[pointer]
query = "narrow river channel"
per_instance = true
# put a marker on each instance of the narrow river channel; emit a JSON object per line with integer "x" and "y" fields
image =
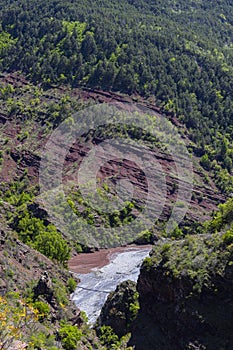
{"x": 92, "y": 291}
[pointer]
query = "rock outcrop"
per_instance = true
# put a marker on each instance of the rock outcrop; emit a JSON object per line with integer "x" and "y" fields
{"x": 191, "y": 308}
{"x": 44, "y": 288}
{"x": 120, "y": 308}
{"x": 185, "y": 291}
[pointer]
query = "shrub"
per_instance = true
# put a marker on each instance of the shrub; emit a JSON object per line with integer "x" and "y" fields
{"x": 145, "y": 237}
{"x": 228, "y": 237}
{"x": 147, "y": 263}
{"x": 133, "y": 308}
{"x": 78, "y": 248}
{"x": 205, "y": 162}
{"x": 70, "y": 335}
{"x": 42, "y": 341}
{"x": 60, "y": 293}
{"x": 43, "y": 309}
{"x": 17, "y": 318}
{"x": 108, "y": 337}
{"x": 71, "y": 284}
{"x": 177, "y": 233}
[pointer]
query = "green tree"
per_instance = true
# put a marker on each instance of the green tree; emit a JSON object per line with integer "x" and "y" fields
{"x": 205, "y": 162}
{"x": 51, "y": 244}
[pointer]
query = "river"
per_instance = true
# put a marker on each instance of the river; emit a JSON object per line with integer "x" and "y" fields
{"x": 94, "y": 286}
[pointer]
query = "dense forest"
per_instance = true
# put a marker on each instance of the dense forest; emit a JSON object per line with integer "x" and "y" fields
{"x": 178, "y": 52}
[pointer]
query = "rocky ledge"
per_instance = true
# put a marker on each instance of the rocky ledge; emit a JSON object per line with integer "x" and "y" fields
{"x": 185, "y": 291}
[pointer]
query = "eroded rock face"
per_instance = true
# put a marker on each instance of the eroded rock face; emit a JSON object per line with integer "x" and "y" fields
{"x": 172, "y": 316}
{"x": 183, "y": 306}
{"x": 26, "y": 154}
{"x": 119, "y": 310}
{"x": 205, "y": 196}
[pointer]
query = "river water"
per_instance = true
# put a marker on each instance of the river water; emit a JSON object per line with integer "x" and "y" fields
{"x": 92, "y": 291}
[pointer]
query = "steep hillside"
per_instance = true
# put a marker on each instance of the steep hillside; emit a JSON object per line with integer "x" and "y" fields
{"x": 35, "y": 307}
{"x": 29, "y": 115}
{"x": 179, "y": 52}
{"x": 185, "y": 293}
{"x": 186, "y": 296}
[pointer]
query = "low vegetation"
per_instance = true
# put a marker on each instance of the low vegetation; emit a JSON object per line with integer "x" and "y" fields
{"x": 198, "y": 257}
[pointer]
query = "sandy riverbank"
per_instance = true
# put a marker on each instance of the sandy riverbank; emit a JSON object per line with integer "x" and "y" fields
{"x": 84, "y": 263}
{"x": 121, "y": 264}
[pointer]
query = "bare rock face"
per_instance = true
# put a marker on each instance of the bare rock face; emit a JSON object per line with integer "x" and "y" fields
{"x": 119, "y": 310}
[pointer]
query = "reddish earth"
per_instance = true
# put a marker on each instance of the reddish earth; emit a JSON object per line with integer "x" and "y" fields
{"x": 26, "y": 155}
{"x": 84, "y": 263}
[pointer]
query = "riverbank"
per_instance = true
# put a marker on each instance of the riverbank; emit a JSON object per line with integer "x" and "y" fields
{"x": 86, "y": 262}
{"x": 118, "y": 265}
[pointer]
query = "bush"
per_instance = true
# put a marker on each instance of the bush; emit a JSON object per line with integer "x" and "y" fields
{"x": 78, "y": 248}
{"x": 60, "y": 293}
{"x": 145, "y": 237}
{"x": 223, "y": 217}
{"x": 166, "y": 251}
{"x": 43, "y": 309}
{"x": 177, "y": 233}
{"x": 70, "y": 335}
{"x": 42, "y": 341}
{"x": 17, "y": 319}
{"x": 133, "y": 308}
{"x": 228, "y": 237}
{"x": 108, "y": 337}
{"x": 147, "y": 263}
{"x": 205, "y": 162}
{"x": 71, "y": 284}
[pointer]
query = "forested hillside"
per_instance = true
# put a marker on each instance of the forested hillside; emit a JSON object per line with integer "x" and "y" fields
{"x": 178, "y": 52}
{"x": 172, "y": 60}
